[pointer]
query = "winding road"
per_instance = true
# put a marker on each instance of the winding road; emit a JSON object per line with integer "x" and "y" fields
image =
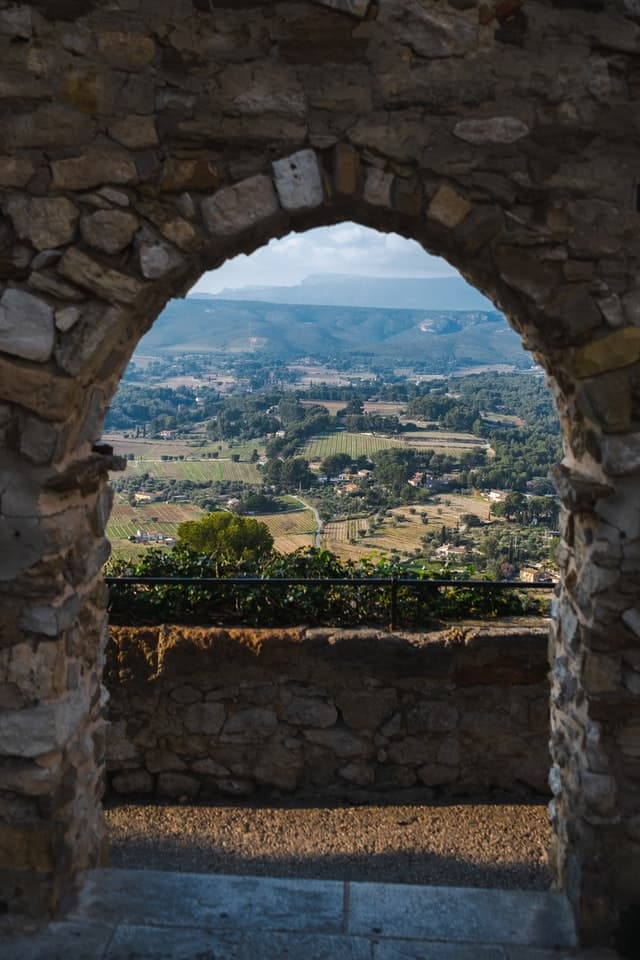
{"x": 316, "y": 516}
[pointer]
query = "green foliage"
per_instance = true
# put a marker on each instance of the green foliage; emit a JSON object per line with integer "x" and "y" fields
{"x": 227, "y": 536}
{"x": 416, "y": 605}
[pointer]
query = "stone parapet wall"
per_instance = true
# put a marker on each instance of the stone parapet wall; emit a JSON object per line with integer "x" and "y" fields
{"x": 215, "y": 712}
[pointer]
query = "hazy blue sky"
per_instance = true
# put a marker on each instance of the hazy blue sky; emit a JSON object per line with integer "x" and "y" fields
{"x": 345, "y": 248}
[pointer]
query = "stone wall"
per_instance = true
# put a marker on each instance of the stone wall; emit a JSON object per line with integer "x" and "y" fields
{"x": 212, "y": 713}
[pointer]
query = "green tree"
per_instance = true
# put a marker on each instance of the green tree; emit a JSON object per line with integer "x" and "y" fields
{"x": 228, "y": 536}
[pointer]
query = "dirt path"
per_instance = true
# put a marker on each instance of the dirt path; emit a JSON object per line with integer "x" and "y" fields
{"x": 481, "y": 844}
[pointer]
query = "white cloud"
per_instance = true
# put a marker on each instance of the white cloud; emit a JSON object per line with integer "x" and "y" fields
{"x": 345, "y": 248}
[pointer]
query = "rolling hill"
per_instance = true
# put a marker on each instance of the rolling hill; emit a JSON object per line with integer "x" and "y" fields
{"x": 445, "y": 337}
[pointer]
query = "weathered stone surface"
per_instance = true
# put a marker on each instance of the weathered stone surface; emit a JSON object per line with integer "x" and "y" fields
{"x": 136, "y": 781}
{"x": 53, "y": 222}
{"x": 126, "y": 50}
{"x": 136, "y": 133}
{"x": 204, "y": 718}
{"x": 109, "y": 230}
{"x": 177, "y": 785}
{"x": 342, "y": 743}
{"x": 27, "y": 326}
{"x": 357, "y": 7}
{"x": 491, "y": 130}
{"x": 98, "y": 166}
{"x": 251, "y": 725}
{"x": 629, "y": 739}
{"x": 110, "y": 284}
{"x": 361, "y": 773}
{"x": 448, "y": 207}
{"x": 298, "y": 181}
{"x": 346, "y": 169}
{"x": 377, "y": 187}
{"x": 157, "y": 258}
{"x": 234, "y": 209}
{"x": 48, "y": 125}
{"x": 15, "y": 171}
{"x": 611, "y": 352}
{"x": 310, "y": 712}
{"x": 366, "y": 710}
{"x": 36, "y": 730}
{"x": 428, "y": 31}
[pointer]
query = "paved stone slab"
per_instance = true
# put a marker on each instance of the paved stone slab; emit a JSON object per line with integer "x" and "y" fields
{"x": 156, "y": 898}
{"x": 461, "y": 915}
{"x": 420, "y": 950}
{"x": 162, "y": 943}
{"x": 60, "y": 941}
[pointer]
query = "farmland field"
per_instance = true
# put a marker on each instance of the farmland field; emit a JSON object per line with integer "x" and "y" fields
{"x": 165, "y": 517}
{"x": 364, "y": 444}
{"x": 198, "y": 470}
{"x": 290, "y": 530}
{"x": 400, "y": 531}
{"x": 144, "y": 449}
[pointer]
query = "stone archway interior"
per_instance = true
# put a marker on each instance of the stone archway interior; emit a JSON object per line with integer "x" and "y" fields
{"x": 142, "y": 146}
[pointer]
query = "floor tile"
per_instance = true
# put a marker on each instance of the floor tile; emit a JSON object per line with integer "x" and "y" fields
{"x": 460, "y": 915}
{"x": 178, "y": 943}
{"x": 223, "y": 902}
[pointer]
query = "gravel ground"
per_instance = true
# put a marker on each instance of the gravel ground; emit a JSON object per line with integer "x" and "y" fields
{"x": 473, "y": 844}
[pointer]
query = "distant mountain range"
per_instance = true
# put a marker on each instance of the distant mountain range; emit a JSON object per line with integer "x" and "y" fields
{"x": 340, "y": 290}
{"x": 437, "y": 335}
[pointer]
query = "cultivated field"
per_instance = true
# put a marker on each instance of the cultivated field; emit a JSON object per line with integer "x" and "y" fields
{"x": 165, "y": 517}
{"x": 290, "y": 530}
{"x": 364, "y": 444}
{"x": 385, "y": 408}
{"x": 201, "y": 471}
{"x": 144, "y": 449}
{"x": 401, "y": 531}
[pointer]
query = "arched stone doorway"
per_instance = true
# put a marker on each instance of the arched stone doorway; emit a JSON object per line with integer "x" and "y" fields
{"x": 142, "y": 147}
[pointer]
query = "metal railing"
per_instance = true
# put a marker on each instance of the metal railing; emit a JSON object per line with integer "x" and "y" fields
{"x": 390, "y": 584}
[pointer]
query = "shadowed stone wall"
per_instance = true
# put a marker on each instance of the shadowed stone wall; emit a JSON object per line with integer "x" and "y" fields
{"x": 312, "y": 712}
{"x": 145, "y": 142}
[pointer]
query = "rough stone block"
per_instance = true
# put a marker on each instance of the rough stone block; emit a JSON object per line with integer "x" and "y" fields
{"x": 248, "y": 726}
{"x": 27, "y": 326}
{"x": 96, "y": 167}
{"x": 177, "y": 785}
{"x": 102, "y": 281}
{"x": 27, "y": 847}
{"x": 356, "y": 7}
{"x": 204, "y": 718}
{"x": 234, "y": 209}
{"x": 134, "y": 781}
{"x": 308, "y": 712}
{"x": 612, "y": 352}
{"x": 491, "y": 130}
{"x": 126, "y": 50}
{"x": 109, "y": 230}
{"x": 346, "y": 169}
{"x": 43, "y": 728}
{"x": 340, "y": 742}
{"x": 448, "y": 207}
{"x": 377, "y": 188}
{"x": 298, "y": 181}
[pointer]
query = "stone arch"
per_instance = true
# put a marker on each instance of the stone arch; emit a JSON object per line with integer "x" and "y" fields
{"x": 143, "y": 147}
